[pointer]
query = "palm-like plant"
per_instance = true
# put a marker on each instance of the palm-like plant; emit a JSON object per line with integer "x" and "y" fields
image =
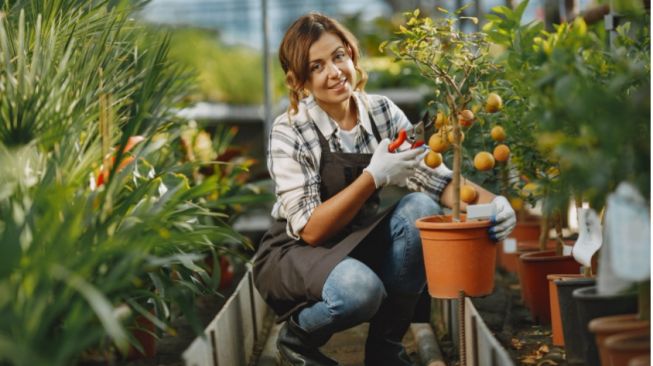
{"x": 78, "y": 259}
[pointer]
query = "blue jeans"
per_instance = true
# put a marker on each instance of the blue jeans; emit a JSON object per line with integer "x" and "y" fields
{"x": 353, "y": 292}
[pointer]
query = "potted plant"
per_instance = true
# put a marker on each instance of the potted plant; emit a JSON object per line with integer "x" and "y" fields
{"x": 80, "y": 260}
{"x": 578, "y": 90}
{"x": 459, "y": 255}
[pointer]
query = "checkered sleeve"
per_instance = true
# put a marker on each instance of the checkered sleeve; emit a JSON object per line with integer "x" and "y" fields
{"x": 295, "y": 173}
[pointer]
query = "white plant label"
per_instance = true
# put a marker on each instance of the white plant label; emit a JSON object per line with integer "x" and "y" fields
{"x": 628, "y": 234}
{"x": 510, "y": 245}
{"x": 589, "y": 237}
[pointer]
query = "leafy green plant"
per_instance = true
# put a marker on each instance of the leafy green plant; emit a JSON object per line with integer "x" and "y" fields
{"x": 568, "y": 90}
{"x": 229, "y": 74}
{"x": 460, "y": 68}
{"x": 80, "y": 257}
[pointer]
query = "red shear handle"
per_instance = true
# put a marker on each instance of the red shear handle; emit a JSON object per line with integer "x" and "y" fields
{"x": 398, "y": 141}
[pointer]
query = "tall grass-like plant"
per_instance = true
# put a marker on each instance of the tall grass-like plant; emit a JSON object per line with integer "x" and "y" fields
{"x": 80, "y": 258}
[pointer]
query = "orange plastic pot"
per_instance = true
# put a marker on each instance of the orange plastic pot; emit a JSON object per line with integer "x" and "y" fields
{"x": 606, "y": 326}
{"x": 557, "y": 334}
{"x": 458, "y": 256}
{"x": 643, "y": 360}
{"x": 524, "y": 230}
{"x": 623, "y": 347}
{"x": 528, "y": 246}
{"x": 533, "y": 269}
{"x": 510, "y": 261}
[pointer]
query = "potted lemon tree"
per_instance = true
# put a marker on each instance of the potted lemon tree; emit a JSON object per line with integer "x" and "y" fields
{"x": 460, "y": 67}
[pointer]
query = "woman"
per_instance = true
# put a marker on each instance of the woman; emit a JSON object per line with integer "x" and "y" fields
{"x": 332, "y": 259}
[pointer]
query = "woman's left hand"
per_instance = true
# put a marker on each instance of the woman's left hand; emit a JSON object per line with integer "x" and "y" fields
{"x": 503, "y": 221}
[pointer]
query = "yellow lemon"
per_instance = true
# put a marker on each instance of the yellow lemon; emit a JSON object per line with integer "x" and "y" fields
{"x": 493, "y": 103}
{"x": 433, "y": 159}
{"x": 483, "y": 161}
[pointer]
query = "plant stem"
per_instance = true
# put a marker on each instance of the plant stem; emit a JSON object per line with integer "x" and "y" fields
{"x": 457, "y": 166}
{"x": 644, "y": 300}
{"x": 544, "y": 232}
{"x": 558, "y": 227}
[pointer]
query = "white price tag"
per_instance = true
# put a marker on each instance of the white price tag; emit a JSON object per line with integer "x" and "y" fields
{"x": 510, "y": 245}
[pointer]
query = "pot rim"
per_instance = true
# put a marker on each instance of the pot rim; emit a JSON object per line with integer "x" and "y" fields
{"x": 427, "y": 223}
{"x": 623, "y": 322}
{"x": 590, "y": 292}
{"x": 631, "y": 340}
{"x": 565, "y": 276}
{"x": 533, "y": 256}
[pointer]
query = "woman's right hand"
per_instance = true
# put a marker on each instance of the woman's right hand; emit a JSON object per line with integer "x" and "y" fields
{"x": 388, "y": 168}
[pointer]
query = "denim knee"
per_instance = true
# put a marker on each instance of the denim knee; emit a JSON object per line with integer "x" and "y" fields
{"x": 416, "y": 205}
{"x": 404, "y": 266}
{"x": 353, "y": 292}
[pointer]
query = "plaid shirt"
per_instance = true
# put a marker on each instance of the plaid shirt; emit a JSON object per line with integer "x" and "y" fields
{"x": 294, "y": 155}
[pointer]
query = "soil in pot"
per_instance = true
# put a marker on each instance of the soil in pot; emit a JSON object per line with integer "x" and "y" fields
{"x": 571, "y": 329}
{"x": 607, "y": 326}
{"x": 591, "y": 305}
{"x": 534, "y": 267}
{"x": 623, "y": 347}
{"x": 458, "y": 256}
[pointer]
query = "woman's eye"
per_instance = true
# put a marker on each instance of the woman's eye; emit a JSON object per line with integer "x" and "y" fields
{"x": 340, "y": 56}
{"x": 316, "y": 67}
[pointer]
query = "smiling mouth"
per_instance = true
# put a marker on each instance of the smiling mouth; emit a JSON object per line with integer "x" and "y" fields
{"x": 339, "y": 84}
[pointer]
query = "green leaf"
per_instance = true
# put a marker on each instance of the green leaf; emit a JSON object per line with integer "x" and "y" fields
{"x": 101, "y": 306}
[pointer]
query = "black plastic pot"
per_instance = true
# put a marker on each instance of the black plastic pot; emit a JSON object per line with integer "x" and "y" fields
{"x": 574, "y": 340}
{"x": 590, "y": 305}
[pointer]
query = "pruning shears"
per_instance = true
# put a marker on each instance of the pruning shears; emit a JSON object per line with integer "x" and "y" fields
{"x": 415, "y": 135}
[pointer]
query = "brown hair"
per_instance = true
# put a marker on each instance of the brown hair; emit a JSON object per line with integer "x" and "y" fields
{"x": 293, "y": 52}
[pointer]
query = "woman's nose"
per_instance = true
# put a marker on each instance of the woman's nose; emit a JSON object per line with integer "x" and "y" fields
{"x": 334, "y": 70}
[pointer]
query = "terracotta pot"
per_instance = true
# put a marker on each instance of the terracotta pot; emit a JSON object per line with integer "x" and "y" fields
{"x": 557, "y": 334}
{"x": 523, "y": 231}
{"x": 533, "y": 269}
{"x": 511, "y": 260}
{"x": 623, "y": 347}
{"x": 643, "y": 360}
{"x": 143, "y": 331}
{"x": 606, "y": 326}
{"x": 591, "y": 305}
{"x": 573, "y": 333}
{"x": 458, "y": 256}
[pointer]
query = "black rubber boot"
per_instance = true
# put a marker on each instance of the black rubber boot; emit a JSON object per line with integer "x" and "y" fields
{"x": 299, "y": 348}
{"x": 387, "y": 329}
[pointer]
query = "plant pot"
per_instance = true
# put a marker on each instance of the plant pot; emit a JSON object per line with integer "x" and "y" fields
{"x": 557, "y": 334}
{"x": 458, "y": 256}
{"x": 643, "y": 360}
{"x": 571, "y": 330}
{"x": 528, "y": 246}
{"x": 607, "y": 326}
{"x": 523, "y": 231}
{"x": 591, "y": 305}
{"x": 143, "y": 331}
{"x": 534, "y": 267}
{"x": 511, "y": 260}
{"x": 623, "y": 347}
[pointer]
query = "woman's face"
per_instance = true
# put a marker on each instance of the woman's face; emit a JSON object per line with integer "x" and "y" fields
{"x": 331, "y": 70}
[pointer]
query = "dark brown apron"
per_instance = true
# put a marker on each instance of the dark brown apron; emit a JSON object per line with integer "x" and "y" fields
{"x": 290, "y": 273}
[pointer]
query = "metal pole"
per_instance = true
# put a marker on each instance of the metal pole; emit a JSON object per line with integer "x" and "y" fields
{"x": 267, "y": 84}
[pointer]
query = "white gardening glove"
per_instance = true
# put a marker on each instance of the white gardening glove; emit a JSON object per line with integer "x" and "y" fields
{"x": 388, "y": 168}
{"x": 504, "y": 220}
